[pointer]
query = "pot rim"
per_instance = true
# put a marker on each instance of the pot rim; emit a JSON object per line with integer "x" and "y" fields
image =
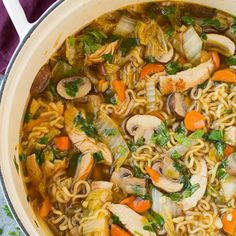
{"x": 8, "y": 69}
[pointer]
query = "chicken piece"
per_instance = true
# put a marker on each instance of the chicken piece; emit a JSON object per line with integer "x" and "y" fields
{"x": 187, "y": 79}
{"x": 81, "y": 140}
{"x": 132, "y": 221}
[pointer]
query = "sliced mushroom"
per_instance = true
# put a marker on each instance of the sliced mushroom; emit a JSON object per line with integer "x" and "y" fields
{"x": 165, "y": 183}
{"x": 74, "y": 87}
{"x": 167, "y": 56}
{"x": 200, "y": 179}
{"x": 102, "y": 185}
{"x": 177, "y": 106}
{"x": 220, "y": 43}
{"x": 230, "y": 135}
{"x": 41, "y": 80}
{"x": 130, "y": 219}
{"x": 84, "y": 167}
{"x": 142, "y": 126}
{"x": 129, "y": 184}
{"x": 231, "y": 164}
{"x": 181, "y": 81}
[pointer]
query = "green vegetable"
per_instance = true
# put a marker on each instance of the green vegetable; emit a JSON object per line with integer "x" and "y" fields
{"x": 182, "y": 139}
{"x": 221, "y": 171}
{"x": 128, "y": 44}
{"x": 137, "y": 172}
{"x": 110, "y": 132}
{"x": 169, "y": 10}
{"x": 16, "y": 233}
{"x": 22, "y": 157}
{"x": 27, "y": 117}
{"x": 231, "y": 61}
{"x": 203, "y": 85}
{"x": 115, "y": 220}
{"x": 150, "y": 59}
{"x": 72, "y": 41}
{"x": 188, "y": 20}
{"x": 175, "y": 196}
{"x": 169, "y": 32}
{"x": 43, "y": 140}
{"x": 203, "y": 36}
{"x": 181, "y": 129}
{"x": 156, "y": 221}
{"x": 7, "y": 211}
{"x": 197, "y": 134}
{"x": 217, "y": 137}
{"x": 161, "y": 135}
{"x": 73, "y": 161}
{"x": 134, "y": 146}
{"x": 173, "y": 67}
{"x": 109, "y": 97}
{"x": 121, "y": 150}
{"x": 152, "y": 11}
{"x": 71, "y": 87}
{"x": 233, "y": 26}
{"x": 108, "y": 57}
{"x": 39, "y": 157}
{"x": 211, "y": 22}
{"x": 175, "y": 155}
{"x": 91, "y": 41}
{"x": 98, "y": 156}
{"x": 87, "y": 125}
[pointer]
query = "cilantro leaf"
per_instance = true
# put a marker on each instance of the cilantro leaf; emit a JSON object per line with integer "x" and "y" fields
{"x": 175, "y": 155}
{"x": 161, "y": 135}
{"x": 188, "y": 20}
{"x": 98, "y": 156}
{"x": 173, "y": 67}
{"x": 133, "y": 146}
{"x": 110, "y": 132}
{"x": 211, "y": 22}
{"x": 128, "y": 44}
{"x": 43, "y": 140}
{"x": 231, "y": 61}
{"x": 108, "y": 57}
{"x": 71, "y": 87}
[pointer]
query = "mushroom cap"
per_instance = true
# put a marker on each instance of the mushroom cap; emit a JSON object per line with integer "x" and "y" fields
{"x": 221, "y": 44}
{"x": 83, "y": 87}
{"x": 166, "y": 184}
{"x": 142, "y": 126}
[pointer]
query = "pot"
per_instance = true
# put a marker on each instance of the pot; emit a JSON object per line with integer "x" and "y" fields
{"x": 38, "y": 41}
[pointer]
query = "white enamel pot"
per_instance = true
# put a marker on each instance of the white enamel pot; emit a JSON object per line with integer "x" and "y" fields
{"x": 37, "y": 42}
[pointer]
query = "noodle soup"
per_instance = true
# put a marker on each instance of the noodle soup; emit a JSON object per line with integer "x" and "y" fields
{"x": 131, "y": 126}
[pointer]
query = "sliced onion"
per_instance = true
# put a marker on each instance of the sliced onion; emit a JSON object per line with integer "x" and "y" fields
{"x": 192, "y": 45}
{"x": 124, "y": 26}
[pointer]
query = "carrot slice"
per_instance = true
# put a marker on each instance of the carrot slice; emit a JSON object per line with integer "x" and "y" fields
{"x": 229, "y": 222}
{"x": 45, "y": 208}
{"x": 228, "y": 150}
{"x": 118, "y": 231}
{"x": 140, "y": 205}
{"x": 128, "y": 200}
{"x": 62, "y": 143}
{"x": 151, "y": 69}
{"x": 153, "y": 174}
{"x": 194, "y": 121}
{"x": 225, "y": 75}
{"x": 216, "y": 60}
{"x": 120, "y": 89}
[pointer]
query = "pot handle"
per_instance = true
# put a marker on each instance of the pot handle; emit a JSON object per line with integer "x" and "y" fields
{"x": 18, "y": 17}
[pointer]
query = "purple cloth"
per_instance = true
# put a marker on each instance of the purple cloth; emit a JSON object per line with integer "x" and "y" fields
{"x": 8, "y": 36}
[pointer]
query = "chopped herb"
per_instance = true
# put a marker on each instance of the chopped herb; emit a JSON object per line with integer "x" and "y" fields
{"x": 110, "y": 132}
{"x": 87, "y": 125}
{"x": 16, "y": 233}
{"x": 169, "y": 32}
{"x": 109, "y": 97}
{"x": 190, "y": 190}
{"x": 72, "y": 41}
{"x": 175, "y": 196}
{"x": 169, "y": 10}
{"x": 233, "y": 26}
{"x": 203, "y": 36}
{"x": 39, "y": 157}
{"x": 197, "y": 134}
{"x": 16, "y": 164}
{"x": 152, "y": 11}
{"x": 134, "y": 146}
{"x": 128, "y": 44}
{"x": 27, "y": 116}
{"x": 71, "y": 87}
{"x": 181, "y": 129}
{"x": 137, "y": 172}
{"x": 43, "y": 140}
{"x": 92, "y": 41}
{"x": 8, "y": 211}
{"x": 156, "y": 221}
{"x": 182, "y": 139}
{"x": 161, "y": 135}
{"x": 203, "y": 85}
{"x": 98, "y": 156}
{"x": 150, "y": 59}
{"x": 173, "y": 67}
{"x": 121, "y": 150}
{"x": 211, "y": 22}
{"x": 221, "y": 172}
{"x": 175, "y": 155}
{"x": 22, "y": 158}
{"x": 115, "y": 220}
{"x": 73, "y": 161}
{"x": 231, "y": 61}
{"x": 188, "y": 20}
{"x": 108, "y": 57}
{"x": 217, "y": 137}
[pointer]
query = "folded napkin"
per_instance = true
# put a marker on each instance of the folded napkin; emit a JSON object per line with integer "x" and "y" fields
{"x": 8, "y": 36}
